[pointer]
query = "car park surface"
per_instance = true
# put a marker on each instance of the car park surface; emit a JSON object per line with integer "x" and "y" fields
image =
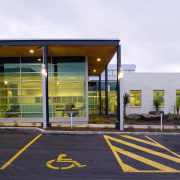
{"x": 32, "y": 155}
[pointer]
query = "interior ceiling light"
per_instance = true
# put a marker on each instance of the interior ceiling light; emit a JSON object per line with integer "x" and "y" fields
{"x": 31, "y": 51}
{"x": 98, "y": 59}
{"x": 94, "y": 70}
{"x": 39, "y": 59}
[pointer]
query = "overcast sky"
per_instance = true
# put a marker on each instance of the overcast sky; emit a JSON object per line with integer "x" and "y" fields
{"x": 149, "y": 30}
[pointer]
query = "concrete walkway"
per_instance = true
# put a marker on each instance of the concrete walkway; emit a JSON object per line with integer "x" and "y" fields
{"x": 125, "y": 126}
{"x": 91, "y": 125}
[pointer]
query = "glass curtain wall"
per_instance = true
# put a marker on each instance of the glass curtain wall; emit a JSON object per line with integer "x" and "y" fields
{"x": 67, "y": 87}
{"x": 93, "y": 97}
{"x": 21, "y": 87}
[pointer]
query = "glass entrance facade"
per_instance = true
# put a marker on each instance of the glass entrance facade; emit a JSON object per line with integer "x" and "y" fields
{"x": 21, "y": 87}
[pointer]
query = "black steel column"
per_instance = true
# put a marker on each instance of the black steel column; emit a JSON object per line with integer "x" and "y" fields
{"x": 118, "y": 85}
{"x": 45, "y": 89}
{"x": 100, "y": 103}
{"x": 106, "y": 91}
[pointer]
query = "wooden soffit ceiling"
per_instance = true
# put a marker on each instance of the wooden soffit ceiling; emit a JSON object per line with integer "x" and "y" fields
{"x": 95, "y": 68}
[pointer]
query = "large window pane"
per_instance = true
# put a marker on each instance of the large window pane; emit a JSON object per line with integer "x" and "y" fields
{"x": 31, "y": 115}
{"x": 69, "y": 76}
{"x": 68, "y": 84}
{"x": 31, "y": 92}
{"x": 32, "y": 100}
{"x": 30, "y": 108}
{"x": 31, "y": 84}
{"x": 31, "y": 76}
{"x": 31, "y": 68}
{"x": 68, "y": 92}
{"x": 9, "y": 77}
{"x": 178, "y": 97}
{"x": 135, "y": 98}
{"x": 71, "y": 67}
{"x": 11, "y": 68}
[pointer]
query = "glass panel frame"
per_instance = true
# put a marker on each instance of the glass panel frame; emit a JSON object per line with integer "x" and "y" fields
{"x": 135, "y": 98}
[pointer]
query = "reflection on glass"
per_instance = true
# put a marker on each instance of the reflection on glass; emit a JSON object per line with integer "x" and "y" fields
{"x": 135, "y": 98}
{"x": 21, "y": 87}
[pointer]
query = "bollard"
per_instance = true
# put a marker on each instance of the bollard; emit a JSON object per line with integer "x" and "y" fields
{"x": 161, "y": 115}
{"x": 71, "y": 113}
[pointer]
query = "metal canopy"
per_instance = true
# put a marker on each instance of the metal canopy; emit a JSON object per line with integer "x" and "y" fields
{"x": 94, "y": 49}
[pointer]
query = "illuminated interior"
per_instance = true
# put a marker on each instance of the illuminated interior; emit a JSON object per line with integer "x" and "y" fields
{"x": 135, "y": 98}
{"x": 21, "y": 87}
{"x": 158, "y": 95}
{"x": 23, "y": 80}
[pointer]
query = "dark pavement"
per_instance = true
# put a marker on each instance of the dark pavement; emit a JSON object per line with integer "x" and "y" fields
{"x": 88, "y": 156}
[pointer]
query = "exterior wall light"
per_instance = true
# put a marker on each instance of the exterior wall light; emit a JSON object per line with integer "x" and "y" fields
{"x": 120, "y": 74}
{"x": 43, "y": 71}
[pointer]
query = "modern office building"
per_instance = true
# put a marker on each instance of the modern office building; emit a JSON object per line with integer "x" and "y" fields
{"x": 48, "y": 79}
{"x": 143, "y": 89}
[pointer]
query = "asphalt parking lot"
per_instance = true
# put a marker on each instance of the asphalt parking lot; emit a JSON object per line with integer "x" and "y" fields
{"x": 31, "y": 155}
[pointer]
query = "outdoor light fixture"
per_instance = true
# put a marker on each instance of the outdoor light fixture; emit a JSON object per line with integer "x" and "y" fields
{"x": 31, "y": 51}
{"x": 39, "y": 59}
{"x": 98, "y": 59}
{"x": 94, "y": 70}
{"x": 120, "y": 73}
{"x": 43, "y": 71}
{"x": 5, "y": 82}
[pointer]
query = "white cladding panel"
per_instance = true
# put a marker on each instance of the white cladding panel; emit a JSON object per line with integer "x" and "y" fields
{"x": 146, "y": 83}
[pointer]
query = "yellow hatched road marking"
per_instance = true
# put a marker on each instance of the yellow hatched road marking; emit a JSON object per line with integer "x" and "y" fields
{"x": 20, "y": 152}
{"x": 127, "y": 168}
{"x": 143, "y": 141}
{"x": 164, "y": 147}
{"x": 146, "y": 150}
{"x": 155, "y": 143}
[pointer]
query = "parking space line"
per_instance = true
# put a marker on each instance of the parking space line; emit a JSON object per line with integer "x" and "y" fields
{"x": 20, "y": 152}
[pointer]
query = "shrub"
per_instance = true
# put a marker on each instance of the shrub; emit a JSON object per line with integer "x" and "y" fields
{"x": 96, "y": 120}
{"x": 126, "y": 101}
{"x": 157, "y": 104}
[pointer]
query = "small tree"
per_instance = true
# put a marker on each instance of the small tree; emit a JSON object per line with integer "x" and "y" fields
{"x": 157, "y": 104}
{"x": 126, "y": 101}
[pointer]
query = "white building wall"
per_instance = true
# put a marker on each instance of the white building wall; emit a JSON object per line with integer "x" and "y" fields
{"x": 147, "y": 82}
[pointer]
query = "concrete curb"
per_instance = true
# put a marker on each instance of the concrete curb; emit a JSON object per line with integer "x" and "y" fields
{"x": 86, "y": 132}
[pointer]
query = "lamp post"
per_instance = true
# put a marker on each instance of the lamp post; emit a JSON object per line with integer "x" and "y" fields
{"x": 120, "y": 79}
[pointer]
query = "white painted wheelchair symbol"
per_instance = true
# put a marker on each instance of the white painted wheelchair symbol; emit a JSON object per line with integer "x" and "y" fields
{"x": 60, "y": 161}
